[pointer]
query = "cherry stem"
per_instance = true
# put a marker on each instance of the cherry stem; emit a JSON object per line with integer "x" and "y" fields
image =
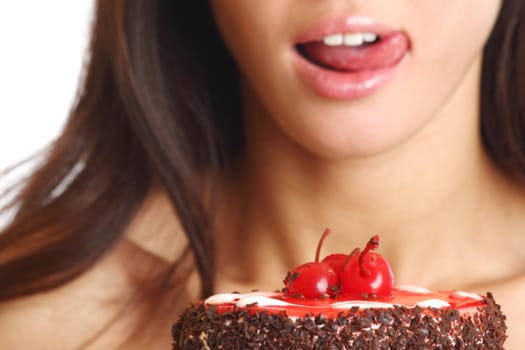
{"x": 320, "y": 244}
{"x": 350, "y": 256}
{"x": 372, "y": 244}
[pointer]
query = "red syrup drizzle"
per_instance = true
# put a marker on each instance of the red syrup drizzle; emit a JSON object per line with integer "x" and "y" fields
{"x": 300, "y": 306}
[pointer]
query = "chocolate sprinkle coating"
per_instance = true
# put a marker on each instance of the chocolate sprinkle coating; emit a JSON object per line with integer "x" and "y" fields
{"x": 202, "y": 327}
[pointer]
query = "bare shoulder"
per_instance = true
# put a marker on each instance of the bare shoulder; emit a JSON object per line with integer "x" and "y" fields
{"x": 88, "y": 309}
{"x": 67, "y": 317}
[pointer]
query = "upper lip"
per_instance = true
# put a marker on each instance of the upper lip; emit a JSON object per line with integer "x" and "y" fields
{"x": 340, "y": 25}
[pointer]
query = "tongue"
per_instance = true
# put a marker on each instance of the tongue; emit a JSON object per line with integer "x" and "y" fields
{"x": 384, "y": 53}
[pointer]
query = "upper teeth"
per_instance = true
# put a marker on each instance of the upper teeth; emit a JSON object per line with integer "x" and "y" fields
{"x": 350, "y": 39}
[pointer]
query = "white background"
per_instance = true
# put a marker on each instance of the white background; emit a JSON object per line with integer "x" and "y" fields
{"x": 42, "y": 46}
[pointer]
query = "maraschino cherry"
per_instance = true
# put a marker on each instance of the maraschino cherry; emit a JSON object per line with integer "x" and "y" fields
{"x": 367, "y": 274}
{"x": 313, "y": 279}
{"x": 336, "y": 262}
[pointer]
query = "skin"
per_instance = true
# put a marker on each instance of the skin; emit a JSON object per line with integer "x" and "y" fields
{"x": 405, "y": 162}
{"x": 95, "y": 310}
{"x": 362, "y": 127}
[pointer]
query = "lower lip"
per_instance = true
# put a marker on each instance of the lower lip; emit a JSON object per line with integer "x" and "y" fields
{"x": 343, "y": 85}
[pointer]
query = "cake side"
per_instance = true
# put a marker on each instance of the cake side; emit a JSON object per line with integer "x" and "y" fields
{"x": 206, "y": 326}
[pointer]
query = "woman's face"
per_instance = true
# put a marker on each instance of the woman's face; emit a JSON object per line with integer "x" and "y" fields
{"x": 345, "y": 78}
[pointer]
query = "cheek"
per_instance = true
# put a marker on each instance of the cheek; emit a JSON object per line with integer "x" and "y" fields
{"x": 447, "y": 46}
{"x": 255, "y": 34}
{"x": 453, "y": 31}
{"x": 249, "y": 27}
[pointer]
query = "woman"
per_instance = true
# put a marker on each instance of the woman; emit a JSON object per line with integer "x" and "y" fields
{"x": 218, "y": 140}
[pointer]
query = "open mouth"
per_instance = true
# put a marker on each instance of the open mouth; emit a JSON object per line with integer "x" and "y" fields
{"x": 348, "y": 57}
{"x": 355, "y": 52}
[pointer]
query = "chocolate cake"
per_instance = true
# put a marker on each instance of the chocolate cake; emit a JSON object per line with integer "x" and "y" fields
{"x": 343, "y": 302}
{"x": 414, "y": 319}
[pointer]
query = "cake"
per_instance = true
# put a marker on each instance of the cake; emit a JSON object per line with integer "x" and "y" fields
{"x": 359, "y": 308}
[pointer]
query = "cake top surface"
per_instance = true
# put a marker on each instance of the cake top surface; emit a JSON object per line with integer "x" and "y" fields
{"x": 406, "y": 296}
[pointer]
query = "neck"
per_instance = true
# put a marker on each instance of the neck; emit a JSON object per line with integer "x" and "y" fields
{"x": 437, "y": 188}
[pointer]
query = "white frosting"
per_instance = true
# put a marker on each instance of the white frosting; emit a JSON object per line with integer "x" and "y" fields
{"x": 260, "y": 301}
{"x": 363, "y": 304}
{"x": 461, "y": 295}
{"x": 270, "y": 299}
{"x": 237, "y": 298}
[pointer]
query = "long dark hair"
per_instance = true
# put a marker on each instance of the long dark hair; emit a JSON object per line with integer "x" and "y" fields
{"x": 502, "y": 105}
{"x": 159, "y": 106}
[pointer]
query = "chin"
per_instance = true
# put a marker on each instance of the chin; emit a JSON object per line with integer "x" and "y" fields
{"x": 343, "y": 136}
